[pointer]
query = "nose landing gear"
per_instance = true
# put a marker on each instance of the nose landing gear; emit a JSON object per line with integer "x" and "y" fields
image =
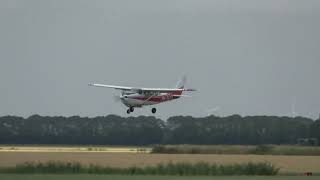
{"x": 131, "y": 109}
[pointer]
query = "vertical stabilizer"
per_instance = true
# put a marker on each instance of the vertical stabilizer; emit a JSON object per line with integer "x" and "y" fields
{"x": 181, "y": 83}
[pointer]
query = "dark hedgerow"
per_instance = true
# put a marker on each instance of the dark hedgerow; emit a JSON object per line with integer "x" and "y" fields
{"x": 181, "y": 169}
{"x": 262, "y": 149}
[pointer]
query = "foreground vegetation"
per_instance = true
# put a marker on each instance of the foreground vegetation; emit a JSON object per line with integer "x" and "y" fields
{"x": 143, "y": 177}
{"x": 237, "y": 149}
{"x": 288, "y": 164}
{"x": 137, "y": 131}
{"x": 181, "y": 169}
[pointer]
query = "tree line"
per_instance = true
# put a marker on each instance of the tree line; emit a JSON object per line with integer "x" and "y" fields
{"x": 147, "y": 130}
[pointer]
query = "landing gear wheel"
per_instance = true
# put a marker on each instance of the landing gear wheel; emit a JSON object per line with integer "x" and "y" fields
{"x": 128, "y": 111}
{"x": 153, "y": 110}
{"x": 131, "y": 109}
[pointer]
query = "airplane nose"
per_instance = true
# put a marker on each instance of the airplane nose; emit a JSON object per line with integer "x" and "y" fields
{"x": 123, "y": 97}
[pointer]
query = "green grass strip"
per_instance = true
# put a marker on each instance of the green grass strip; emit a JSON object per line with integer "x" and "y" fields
{"x": 181, "y": 169}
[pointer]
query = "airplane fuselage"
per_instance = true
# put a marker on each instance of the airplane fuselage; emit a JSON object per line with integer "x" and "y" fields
{"x": 139, "y": 100}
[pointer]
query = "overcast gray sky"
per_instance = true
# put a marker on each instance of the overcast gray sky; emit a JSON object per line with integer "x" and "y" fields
{"x": 248, "y": 57}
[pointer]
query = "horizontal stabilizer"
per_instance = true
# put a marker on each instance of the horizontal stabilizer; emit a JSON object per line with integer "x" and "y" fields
{"x": 181, "y": 95}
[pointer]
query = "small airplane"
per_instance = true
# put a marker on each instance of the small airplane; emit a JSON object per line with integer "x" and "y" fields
{"x": 134, "y": 97}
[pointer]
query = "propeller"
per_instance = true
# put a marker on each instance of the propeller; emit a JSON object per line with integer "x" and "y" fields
{"x": 116, "y": 98}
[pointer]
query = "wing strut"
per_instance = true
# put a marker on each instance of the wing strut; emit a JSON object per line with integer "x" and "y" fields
{"x": 147, "y": 99}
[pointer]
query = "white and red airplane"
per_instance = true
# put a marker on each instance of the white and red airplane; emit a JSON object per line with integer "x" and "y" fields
{"x": 134, "y": 97}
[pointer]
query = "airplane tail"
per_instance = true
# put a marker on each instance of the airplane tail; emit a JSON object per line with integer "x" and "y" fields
{"x": 181, "y": 83}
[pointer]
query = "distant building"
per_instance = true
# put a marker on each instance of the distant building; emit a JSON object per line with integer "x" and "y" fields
{"x": 308, "y": 141}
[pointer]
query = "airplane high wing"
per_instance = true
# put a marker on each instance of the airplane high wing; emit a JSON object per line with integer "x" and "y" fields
{"x": 112, "y": 86}
{"x": 134, "y": 97}
{"x": 140, "y": 90}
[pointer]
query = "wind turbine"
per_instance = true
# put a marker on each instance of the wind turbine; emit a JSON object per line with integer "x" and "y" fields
{"x": 211, "y": 111}
{"x": 293, "y": 108}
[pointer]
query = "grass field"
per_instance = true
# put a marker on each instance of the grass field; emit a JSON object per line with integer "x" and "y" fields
{"x": 113, "y": 156}
{"x": 120, "y": 177}
{"x": 238, "y": 149}
{"x": 287, "y": 164}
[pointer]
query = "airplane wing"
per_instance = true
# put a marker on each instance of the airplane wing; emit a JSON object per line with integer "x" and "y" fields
{"x": 124, "y": 88}
{"x": 165, "y": 90}
{"x": 112, "y": 86}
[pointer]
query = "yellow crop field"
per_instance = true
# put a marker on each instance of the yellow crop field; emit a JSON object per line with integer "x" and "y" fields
{"x": 75, "y": 149}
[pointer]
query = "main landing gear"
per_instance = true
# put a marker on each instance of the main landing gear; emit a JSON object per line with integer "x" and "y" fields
{"x": 153, "y": 110}
{"x": 131, "y": 109}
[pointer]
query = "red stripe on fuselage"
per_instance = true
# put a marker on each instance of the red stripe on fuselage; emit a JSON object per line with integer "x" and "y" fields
{"x": 158, "y": 99}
